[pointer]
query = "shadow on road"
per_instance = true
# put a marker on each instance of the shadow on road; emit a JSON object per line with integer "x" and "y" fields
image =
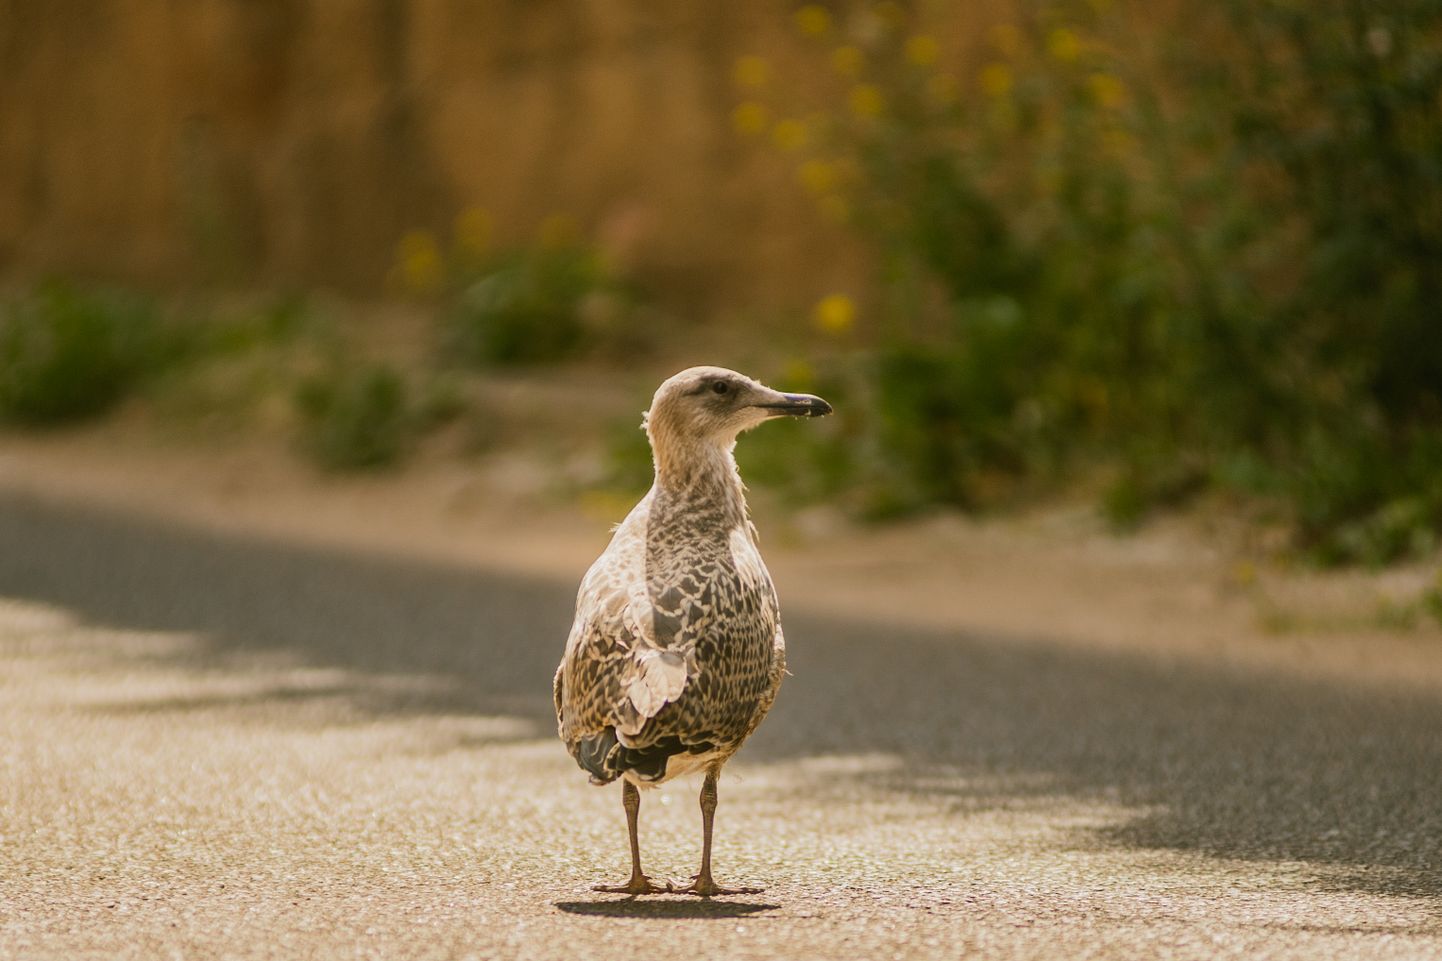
{"x": 689, "y": 908}
{"x": 405, "y": 637}
{"x": 1232, "y": 765}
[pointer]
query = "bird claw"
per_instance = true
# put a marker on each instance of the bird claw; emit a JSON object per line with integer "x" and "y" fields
{"x": 705, "y": 887}
{"x": 636, "y": 886}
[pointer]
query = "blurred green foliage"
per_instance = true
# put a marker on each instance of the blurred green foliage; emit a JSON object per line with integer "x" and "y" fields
{"x": 362, "y": 416}
{"x": 1432, "y": 599}
{"x": 531, "y": 306}
{"x": 1171, "y": 251}
{"x": 1182, "y": 261}
{"x": 275, "y": 321}
{"x": 549, "y": 300}
{"x": 68, "y": 354}
{"x": 355, "y": 418}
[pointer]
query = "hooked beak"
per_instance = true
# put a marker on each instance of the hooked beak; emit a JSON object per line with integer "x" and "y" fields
{"x": 794, "y": 405}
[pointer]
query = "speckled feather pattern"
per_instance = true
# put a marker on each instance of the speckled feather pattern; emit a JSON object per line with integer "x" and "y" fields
{"x": 677, "y": 646}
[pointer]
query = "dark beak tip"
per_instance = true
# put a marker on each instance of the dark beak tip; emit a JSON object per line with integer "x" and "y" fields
{"x": 804, "y": 405}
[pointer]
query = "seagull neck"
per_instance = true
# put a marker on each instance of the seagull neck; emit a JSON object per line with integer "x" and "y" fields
{"x": 704, "y": 472}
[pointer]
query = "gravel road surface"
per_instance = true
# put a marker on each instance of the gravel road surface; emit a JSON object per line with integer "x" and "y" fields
{"x": 219, "y": 748}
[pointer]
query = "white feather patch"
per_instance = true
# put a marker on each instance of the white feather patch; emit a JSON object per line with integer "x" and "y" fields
{"x": 659, "y": 679}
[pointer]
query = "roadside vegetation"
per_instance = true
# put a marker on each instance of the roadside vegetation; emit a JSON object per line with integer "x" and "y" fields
{"x": 68, "y": 354}
{"x": 1103, "y": 250}
{"x": 1104, "y": 258}
{"x": 552, "y": 298}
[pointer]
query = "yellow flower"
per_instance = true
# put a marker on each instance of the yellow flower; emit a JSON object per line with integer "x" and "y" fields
{"x": 1063, "y": 45}
{"x": 1107, "y": 90}
{"x": 997, "y": 80}
{"x": 817, "y": 176}
{"x": 942, "y": 88}
{"x": 558, "y": 230}
{"x": 846, "y": 61}
{"x": 866, "y": 100}
{"x": 922, "y": 50}
{"x": 749, "y": 118}
{"x": 813, "y": 19}
{"x": 1006, "y": 39}
{"x": 421, "y": 266}
{"x": 473, "y": 230}
{"x": 834, "y": 314}
{"x": 751, "y": 71}
{"x": 789, "y": 135}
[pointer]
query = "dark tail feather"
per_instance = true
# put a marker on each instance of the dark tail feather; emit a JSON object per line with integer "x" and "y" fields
{"x": 605, "y": 759}
{"x": 591, "y": 754}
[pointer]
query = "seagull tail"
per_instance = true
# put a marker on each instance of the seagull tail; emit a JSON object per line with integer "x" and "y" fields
{"x": 593, "y": 752}
{"x": 605, "y": 758}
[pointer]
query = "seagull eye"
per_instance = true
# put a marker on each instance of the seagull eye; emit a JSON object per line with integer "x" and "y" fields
{"x": 720, "y": 387}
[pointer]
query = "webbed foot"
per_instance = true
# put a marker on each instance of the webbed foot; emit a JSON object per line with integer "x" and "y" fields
{"x": 640, "y": 884}
{"x": 703, "y": 886}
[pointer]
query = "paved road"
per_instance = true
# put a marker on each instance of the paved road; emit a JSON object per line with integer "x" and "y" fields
{"x": 218, "y": 748}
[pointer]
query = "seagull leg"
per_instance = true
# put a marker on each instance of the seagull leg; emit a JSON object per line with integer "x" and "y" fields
{"x": 703, "y": 884}
{"x": 639, "y": 883}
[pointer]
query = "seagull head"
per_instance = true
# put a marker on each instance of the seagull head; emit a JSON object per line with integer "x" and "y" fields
{"x": 715, "y": 404}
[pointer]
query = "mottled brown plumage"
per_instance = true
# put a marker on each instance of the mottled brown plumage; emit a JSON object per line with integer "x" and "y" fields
{"x": 676, "y": 652}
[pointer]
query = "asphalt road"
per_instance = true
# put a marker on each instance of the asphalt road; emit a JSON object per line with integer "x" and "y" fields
{"x": 216, "y": 748}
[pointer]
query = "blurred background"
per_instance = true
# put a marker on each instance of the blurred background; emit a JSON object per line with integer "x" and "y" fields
{"x": 1177, "y": 256}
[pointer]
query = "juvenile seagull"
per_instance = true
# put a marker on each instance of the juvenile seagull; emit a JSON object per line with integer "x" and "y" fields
{"x": 676, "y": 652}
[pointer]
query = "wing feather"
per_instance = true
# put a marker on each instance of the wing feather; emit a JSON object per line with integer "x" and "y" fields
{"x": 682, "y": 656}
{"x": 616, "y": 672}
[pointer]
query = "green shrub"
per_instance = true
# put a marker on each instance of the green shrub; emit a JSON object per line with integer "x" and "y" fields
{"x": 1214, "y": 266}
{"x": 356, "y": 418}
{"x": 275, "y": 321}
{"x": 67, "y": 354}
{"x": 534, "y": 303}
{"x": 531, "y": 307}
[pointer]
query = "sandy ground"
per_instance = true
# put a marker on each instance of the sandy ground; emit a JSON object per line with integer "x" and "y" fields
{"x": 248, "y": 713}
